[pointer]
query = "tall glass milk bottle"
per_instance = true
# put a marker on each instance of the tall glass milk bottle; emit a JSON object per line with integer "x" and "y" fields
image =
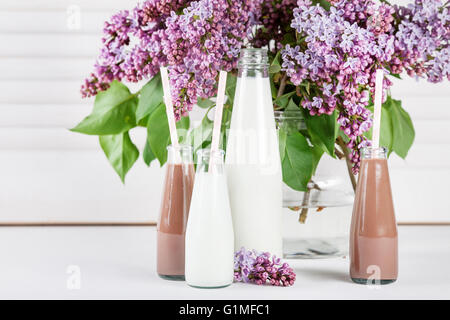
{"x": 209, "y": 233}
{"x": 253, "y": 162}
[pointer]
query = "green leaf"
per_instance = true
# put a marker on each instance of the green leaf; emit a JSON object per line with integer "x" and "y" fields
{"x": 298, "y": 162}
{"x": 288, "y": 38}
{"x": 292, "y": 106}
{"x": 205, "y": 103}
{"x": 230, "y": 88}
{"x": 283, "y": 100}
{"x": 151, "y": 97}
{"x": 183, "y": 126}
{"x": 120, "y": 151}
{"x": 273, "y": 88}
{"x": 200, "y": 135}
{"x": 402, "y": 128}
{"x": 275, "y": 66}
{"x": 282, "y": 137}
{"x": 226, "y": 121}
{"x": 323, "y": 3}
{"x": 148, "y": 154}
{"x": 113, "y": 113}
{"x": 143, "y": 122}
{"x": 322, "y": 130}
{"x": 158, "y": 134}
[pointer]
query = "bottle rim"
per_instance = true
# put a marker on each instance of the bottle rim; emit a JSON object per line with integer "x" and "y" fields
{"x": 289, "y": 115}
{"x": 374, "y": 153}
{"x": 181, "y": 147}
{"x": 208, "y": 152}
{"x": 253, "y": 57}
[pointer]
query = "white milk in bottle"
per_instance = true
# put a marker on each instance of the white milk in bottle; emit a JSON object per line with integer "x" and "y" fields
{"x": 209, "y": 232}
{"x": 253, "y": 162}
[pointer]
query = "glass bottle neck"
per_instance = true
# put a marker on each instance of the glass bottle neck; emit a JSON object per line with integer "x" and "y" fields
{"x": 373, "y": 153}
{"x": 179, "y": 155}
{"x": 207, "y": 158}
{"x": 253, "y": 63}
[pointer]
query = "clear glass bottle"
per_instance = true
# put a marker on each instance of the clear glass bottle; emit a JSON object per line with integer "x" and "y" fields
{"x": 373, "y": 235}
{"x": 176, "y": 198}
{"x": 209, "y": 234}
{"x": 253, "y": 161}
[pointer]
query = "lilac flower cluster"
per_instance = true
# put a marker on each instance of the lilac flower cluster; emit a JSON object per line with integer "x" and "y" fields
{"x": 195, "y": 39}
{"x": 423, "y": 39}
{"x": 342, "y": 48}
{"x": 260, "y": 268}
{"x": 204, "y": 39}
{"x": 339, "y": 57}
{"x": 131, "y": 45}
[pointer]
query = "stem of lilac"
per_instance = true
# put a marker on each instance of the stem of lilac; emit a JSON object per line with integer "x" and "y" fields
{"x": 304, "y": 212}
{"x": 344, "y": 148}
{"x": 282, "y": 85}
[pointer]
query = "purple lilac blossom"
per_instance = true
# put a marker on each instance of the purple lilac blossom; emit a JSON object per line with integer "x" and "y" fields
{"x": 131, "y": 45}
{"x": 261, "y": 268}
{"x": 344, "y": 46}
{"x": 195, "y": 39}
{"x": 203, "y": 40}
{"x": 422, "y": 39}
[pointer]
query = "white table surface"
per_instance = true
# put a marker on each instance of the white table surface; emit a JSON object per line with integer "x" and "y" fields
{"x": 119, "y": 263}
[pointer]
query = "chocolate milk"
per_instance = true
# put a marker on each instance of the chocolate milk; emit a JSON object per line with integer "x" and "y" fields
{"x": 175, "y": 204}
{"x": 373, "y": 236}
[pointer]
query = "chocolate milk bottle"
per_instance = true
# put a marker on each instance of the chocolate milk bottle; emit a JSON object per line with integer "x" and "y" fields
{"x": 373, "y": 236}
{"x": 175, "y": 205}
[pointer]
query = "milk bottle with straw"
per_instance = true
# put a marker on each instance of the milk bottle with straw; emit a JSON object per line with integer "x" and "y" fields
{"x": 209, "y": 234}
{"x": 253, "y": 160}
{"x": 373, "y": 235}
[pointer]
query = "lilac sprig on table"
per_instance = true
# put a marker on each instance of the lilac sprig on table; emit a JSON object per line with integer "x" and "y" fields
{"x": 261, "y": 268}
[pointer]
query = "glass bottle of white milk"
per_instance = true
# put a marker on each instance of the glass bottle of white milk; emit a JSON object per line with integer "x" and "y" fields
{"x": 253, "y": 162}
{"x": 209, "y": 252}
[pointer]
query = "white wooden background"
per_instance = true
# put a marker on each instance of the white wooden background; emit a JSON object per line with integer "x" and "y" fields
{"x": 48, "y": 174}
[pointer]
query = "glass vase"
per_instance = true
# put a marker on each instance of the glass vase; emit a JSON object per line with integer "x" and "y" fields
{"x": 316, "y": 223}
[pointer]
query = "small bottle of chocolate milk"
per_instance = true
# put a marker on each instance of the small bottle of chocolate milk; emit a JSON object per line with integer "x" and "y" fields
{"x": 176, "y": 200}
{"x": 373, "y": 236}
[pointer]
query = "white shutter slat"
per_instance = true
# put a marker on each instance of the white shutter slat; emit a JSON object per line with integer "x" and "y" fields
{"x": 60, "y": 21}
{"x": 49, "y": 45}
{"x": 56, "y": 139}
{"x": 17, "y": 69}
{"x": 73, "y": 186}
{"x": 50, "y": 5}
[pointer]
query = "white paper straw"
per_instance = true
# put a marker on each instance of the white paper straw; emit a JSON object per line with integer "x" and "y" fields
{"x": 377, "y": 108}
{"x": 169, "y": 111}
{"x": 218, "y": 116}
